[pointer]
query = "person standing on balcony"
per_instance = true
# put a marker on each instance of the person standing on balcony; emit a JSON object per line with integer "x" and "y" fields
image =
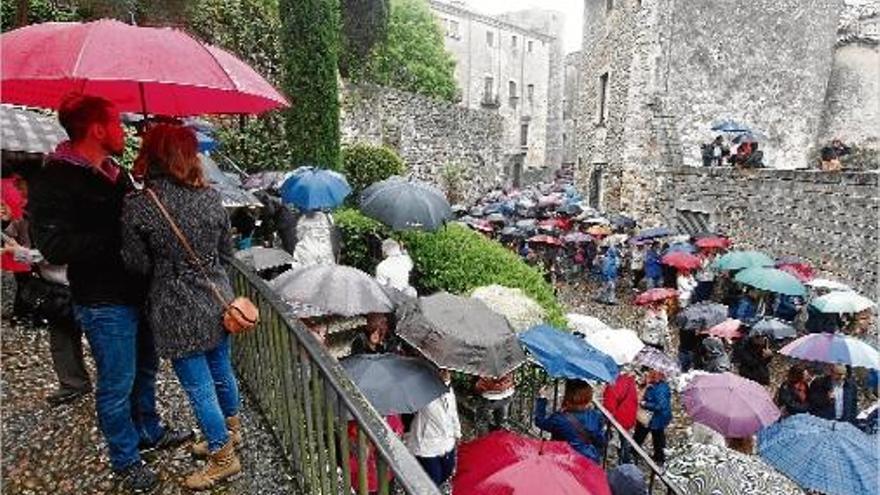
{"x": 184, "y": 310}
{"x": 435, "y": 432}
{"x": 75, "y": 206}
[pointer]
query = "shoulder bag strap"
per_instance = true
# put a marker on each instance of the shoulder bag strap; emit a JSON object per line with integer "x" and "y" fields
{"x": 186, "y": 245}
{"x": 585, "y": 435}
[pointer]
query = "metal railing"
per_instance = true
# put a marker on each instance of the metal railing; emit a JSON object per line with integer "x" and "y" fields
{"x": 323, "y": 424}
{"x": 530, "y": 378}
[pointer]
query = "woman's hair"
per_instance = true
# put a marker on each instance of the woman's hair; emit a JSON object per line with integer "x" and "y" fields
{"x": 173, "y": 151}
{"x": 578, "y": 395}
{"x": 795, "y": 373}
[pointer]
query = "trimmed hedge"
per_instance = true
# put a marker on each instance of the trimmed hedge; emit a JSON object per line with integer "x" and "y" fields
{"x": 364, "y": 164}
{"x": 455, "y": 259}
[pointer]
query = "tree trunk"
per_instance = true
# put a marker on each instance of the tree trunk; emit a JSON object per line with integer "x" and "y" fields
{"x": 22, "y": 9}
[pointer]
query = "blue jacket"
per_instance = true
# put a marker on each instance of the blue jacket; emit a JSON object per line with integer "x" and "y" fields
{"x": 560, "y": 428}
{"x": 744, "y": 310}
{"x": 653, "y": 267}
{"x": 658, "y": 400}
{"x": 610, "y": 265}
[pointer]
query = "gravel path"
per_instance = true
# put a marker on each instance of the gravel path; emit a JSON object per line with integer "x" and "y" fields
{"x": 60, "y": 450}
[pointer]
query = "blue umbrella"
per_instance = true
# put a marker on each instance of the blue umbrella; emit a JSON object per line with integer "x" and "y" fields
{"x": 683, "y": 247}
{"x": 313, "y": 188}
{"x": 564, "y": 355}
{"x": 832, "y": 457}
{"x": 206, "y": 142}
{"x": 729, "y": 126}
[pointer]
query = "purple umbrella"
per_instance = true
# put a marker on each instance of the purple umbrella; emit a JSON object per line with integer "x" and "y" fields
{"x": 833, "y": 348}
{"x": 654, "y": 358}
{"x": 732, "y": 405}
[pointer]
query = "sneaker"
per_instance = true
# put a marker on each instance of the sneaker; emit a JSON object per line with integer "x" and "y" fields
{"x": 138, "y": 478}
{"x": 65, "y": 396}
{"x": 172, "y": 438}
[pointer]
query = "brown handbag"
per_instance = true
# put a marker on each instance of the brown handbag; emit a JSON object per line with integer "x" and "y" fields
{"x": 240, "y": 315}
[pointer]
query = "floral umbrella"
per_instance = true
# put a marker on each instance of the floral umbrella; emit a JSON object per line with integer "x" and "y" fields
{"x": 712, "y": 470}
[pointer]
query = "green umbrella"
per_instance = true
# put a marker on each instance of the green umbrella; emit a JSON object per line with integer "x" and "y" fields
{"x": 737, "y": 260}
{"x": 842, "y": 302}
{"x": 771, "y": 279}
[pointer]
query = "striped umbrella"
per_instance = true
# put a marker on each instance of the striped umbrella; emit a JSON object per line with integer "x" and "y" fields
{"x": 833, "y": 348}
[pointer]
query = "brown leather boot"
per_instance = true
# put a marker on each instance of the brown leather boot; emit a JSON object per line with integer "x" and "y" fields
{"x": 221, "y": 465}
{"x": 233, "y": 424}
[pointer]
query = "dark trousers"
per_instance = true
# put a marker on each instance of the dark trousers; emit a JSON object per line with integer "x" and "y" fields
{"x": 66, "y": 347}
{"x": 439, "y": 468}
{"x": 658, "y": 439}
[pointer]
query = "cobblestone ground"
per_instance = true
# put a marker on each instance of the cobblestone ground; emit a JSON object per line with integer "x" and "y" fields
{"x": 60, "y": 450}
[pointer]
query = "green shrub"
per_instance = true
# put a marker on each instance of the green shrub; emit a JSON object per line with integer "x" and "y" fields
{"x": 364, "y": 164}
{"x": 455, "y": 259}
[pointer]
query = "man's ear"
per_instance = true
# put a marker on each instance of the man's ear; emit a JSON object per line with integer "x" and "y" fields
{"x": 97, "y": 131}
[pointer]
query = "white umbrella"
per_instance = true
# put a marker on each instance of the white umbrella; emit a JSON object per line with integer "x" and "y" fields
{"x": 824, "y": 283}
{"x": 585, "y": 324}
{"x": 615, "y": 239}
{"x": 842, "y": 302}
{"x": 621, "y": 344}
{"x": 521, "y": 311}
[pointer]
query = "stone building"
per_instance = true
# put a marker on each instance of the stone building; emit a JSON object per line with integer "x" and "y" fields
{"x": 569, "y": 108}
{"x": 511, "y": 64}
{"x": 656, "y": 74}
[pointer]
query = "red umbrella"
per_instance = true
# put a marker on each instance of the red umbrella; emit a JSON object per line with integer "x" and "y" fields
{"x": 546, "y": 239}
{"x": 503, "y": 463}
{"x": 654, "y": 295}
{"x": 681, "y": 260}
{"x": 714, "y": 242}
{"x": 140, "y": 69}
{"x": 801, "y": 271}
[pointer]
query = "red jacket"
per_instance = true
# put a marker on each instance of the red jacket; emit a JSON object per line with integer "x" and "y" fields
{"x": 621, "y": 398}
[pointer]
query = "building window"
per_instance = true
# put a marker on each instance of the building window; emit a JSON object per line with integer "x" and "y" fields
{"x": 524, "y": 134}
{"x": 490, "y": 38}
{"x": 531, "y": 45}
{"x": 488, "y": 89}
{"x": 530, "y": 92}
{"x": 603, "y": 98}
{"x": 511, "y": 89}
{"x": 452, "y": 29}
{"x": 513, "y": 41}
{"x": 609, "y": 4}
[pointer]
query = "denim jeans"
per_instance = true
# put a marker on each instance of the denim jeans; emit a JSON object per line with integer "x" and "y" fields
{"x": 212, "y": 389}
{"x": 126, "y": 361}
{"x": 439, "y": 468}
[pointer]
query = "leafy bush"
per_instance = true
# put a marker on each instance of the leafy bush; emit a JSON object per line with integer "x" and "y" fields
{"x": 452, "y": 176}
{"x": 455, "y": 259}
{"x": 363, "y": 164}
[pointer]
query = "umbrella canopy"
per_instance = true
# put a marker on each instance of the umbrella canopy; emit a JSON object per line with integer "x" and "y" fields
{"x": 654, "y": 233}
{"x": 621, "y": 344}
{"x": 480, "y": 225}
{"x": 622, "y": 222}
{"x": 832, "y": 457}
{"x": 681, "y": 247}
{"x": 729, "y": 404}
{"x": 394, "y": 384}
{"x": 336, "y": 289}
{"x": 564, "y": 355}
{"x": 713, "y": 242}
{"x": 599, "y": 230}
{"x": 615, "y": 240}
{"x": 496, "y": 218}
{"x": 729, "y": 126}
{"x": 545, "y": 239}
{"x": 511, "y": 232}
{"x": 627, "y": 479}
{"x": 656, "y": 359}
{"x": 681, "y": 260}
{"x": 28, "y": 132}
{"x": 737, "y": 260}
{"x": 260, "y": 258}
{"x": 161, "y": 71}
{"x": 833, "y": 348}
{"x": 521, "y": 311}
{"x": 704, "y": 314}
{"x": 842, "y": 302}
{"x": 748, "y": 137}
{"x": 266, "y": 180}
{"x": 311, "y": 188}
{"x": 727, "y": 329}
{"x": 461, "y": 334}
{"x": 655, "y": 295}
{"x": 504, "y": 463}
{"x": 577, "y": 238}
{"x": 800, "y": 272}
{"x": 232, "y": 194}
{"x": 528, "y": 223}
{"x": 585, "y": 324}
{"x": 406, "y": 205}
{"x": 824, "y": 283}
{"x": 773, "y": 328}
{"x": 771, "y": 279}
{"x": 700, "y": 469}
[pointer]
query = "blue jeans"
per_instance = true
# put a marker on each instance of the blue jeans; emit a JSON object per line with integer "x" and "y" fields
{"x": 210, "y": 385}
{"x": 439, "y": 468}
{"x": 126, "y": 361}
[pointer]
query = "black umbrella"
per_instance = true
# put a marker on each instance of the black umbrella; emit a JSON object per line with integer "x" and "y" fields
{"x": 462, "y": 334}
{"x": 406, "y": 205}
{"x": 232, "y": 193}
{"x": 701, "y": 315}
{"x": 337, "y": 289}
{"x": 394, "y": 384}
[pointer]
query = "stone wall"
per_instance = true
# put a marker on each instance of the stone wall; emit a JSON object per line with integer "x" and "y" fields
{"x": 429, "y": 134}
{"x": 830, "y": 219}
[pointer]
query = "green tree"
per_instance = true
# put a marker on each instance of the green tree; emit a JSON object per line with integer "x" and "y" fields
{"x": 310, "y": 48}
{"x": 412, "y": 57}
{"x": 364, "y": 23}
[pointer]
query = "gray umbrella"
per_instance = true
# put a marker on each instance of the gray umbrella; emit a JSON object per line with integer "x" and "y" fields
{"x": 232, "y": 194}
{"x": 627, "y": 479}
{"x": 29, "y": 132}
{"x": 701, "y": 315}
{"x": 336, "y": 289}
{"x": 406, "y": 205}
{"x": 773, "y": 328}
{"x": 394, "y": 384}
{"x": 260, "y": 258}
{"x": 460, "y": 333}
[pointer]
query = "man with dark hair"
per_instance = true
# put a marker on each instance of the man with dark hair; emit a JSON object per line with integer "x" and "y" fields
{"x": 75, "y": 205}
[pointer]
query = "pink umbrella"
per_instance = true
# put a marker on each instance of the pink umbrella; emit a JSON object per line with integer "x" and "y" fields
{"x": 727, "y": 329}
{"x": 140, "y": 69}
{"x": 729, "y": 404}
{"x": 681, "y": 260}
{"x": 654, "y": 295}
